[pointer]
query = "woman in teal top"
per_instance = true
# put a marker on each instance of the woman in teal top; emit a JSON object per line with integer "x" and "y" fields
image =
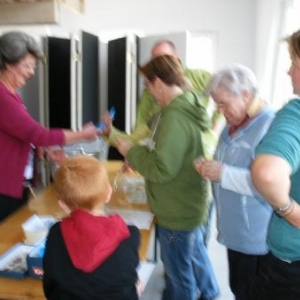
{"x": 276, "y": 175}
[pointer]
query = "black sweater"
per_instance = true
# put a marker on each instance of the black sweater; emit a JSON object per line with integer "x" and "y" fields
{"x": 114, "y": 279}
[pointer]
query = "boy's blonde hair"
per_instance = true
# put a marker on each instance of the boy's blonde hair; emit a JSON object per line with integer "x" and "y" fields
{"x": 82, "y": 182}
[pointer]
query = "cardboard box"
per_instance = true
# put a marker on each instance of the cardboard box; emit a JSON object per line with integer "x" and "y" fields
{"x": 13, "y": 263}
{"x": 35, "y": 261}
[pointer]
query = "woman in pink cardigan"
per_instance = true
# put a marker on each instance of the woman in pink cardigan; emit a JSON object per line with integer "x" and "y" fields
{"x": 20, "y": 134}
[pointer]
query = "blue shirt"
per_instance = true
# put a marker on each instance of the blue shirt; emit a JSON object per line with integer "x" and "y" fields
{"x": 242, "y": 214}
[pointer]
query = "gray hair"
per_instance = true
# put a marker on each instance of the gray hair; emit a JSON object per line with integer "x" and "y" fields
{"x": 234, "y": 79}
{"x": 14, "y": 45}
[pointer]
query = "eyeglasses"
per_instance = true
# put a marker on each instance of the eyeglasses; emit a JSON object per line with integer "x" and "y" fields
{"x": 28, "y": 67}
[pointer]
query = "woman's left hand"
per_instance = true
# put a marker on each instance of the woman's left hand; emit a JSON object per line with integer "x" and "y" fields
{"x": 57, "y": 155}
{"x": 89, "y": 131}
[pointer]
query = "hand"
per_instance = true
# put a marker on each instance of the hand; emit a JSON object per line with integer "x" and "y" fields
{"x": 126, "y": 167}
{"x": 123, "y": 146}
{"x": 89, "y": 131}
{"x": 139, "y": 287}
{"x": 107, "y": 121}
{"x": 57, "y": 155}
{"x": 198, "y": 163}
{"x": 209, "y": 169}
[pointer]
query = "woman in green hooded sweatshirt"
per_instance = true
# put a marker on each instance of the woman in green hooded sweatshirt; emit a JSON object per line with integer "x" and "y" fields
{"x": 177, "y": 196}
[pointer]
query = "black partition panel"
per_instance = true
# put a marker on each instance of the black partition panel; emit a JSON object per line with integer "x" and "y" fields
{"x": 90, "y": 78}
{"x": 117, "y": 86}
{"x": 59, "y": 81}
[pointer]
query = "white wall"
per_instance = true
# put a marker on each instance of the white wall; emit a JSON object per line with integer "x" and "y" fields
{"x": 246, "y": 30}
{"x": 269, "y": 20}
{"x": 231, "y": 20}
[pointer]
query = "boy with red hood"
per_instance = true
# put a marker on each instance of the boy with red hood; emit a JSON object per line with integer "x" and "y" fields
{"x": 89, "y": 255}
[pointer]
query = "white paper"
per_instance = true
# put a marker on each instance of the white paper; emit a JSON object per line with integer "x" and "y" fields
{"x": 141, "y": 219}
{"x": 145, "y": 270}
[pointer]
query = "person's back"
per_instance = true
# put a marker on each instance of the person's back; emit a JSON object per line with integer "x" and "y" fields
{"x": 114, "y": 279}
{"x": 89, "y": 255}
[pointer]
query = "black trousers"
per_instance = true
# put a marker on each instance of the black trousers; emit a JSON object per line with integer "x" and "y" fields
{"x": 242, "y": 270}
{"x": 8, "y": 204}
{"x": 276, "y": 280}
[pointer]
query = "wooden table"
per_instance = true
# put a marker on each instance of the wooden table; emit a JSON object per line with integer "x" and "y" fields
{"x": 44, "y": 204}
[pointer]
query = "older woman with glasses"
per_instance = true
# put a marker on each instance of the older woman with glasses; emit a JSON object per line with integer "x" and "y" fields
{"x": 20, "y": 134}
{"x": 242, "y": 214}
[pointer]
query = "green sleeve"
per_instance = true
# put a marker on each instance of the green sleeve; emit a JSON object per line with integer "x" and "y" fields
{"x": 147, "y": 108}
{"x": 136, "y": 135}
{"x": 199, "y": 80}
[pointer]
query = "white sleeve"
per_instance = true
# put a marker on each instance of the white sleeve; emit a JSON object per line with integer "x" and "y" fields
{"x": 237, "y": 180}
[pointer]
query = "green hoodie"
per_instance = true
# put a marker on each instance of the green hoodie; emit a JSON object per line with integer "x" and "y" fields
{"x": 176, "y": 193}
{"x": 148, "y": 108}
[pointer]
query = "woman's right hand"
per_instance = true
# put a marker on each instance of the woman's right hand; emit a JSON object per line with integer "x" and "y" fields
{"x": 107, "y": 121}
{"x": 89, "y": 132}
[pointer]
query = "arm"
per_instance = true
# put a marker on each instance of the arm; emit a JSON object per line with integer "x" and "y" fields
{"x": 199, "y": 80}
{"x": 147, "y": 109}
{"x": 275, "y": 169}
{"x": 232, "y": 178}
{"x": 271, "y": 177}
{"x": 88, "y": 132}
{"x": 137, "y": 134}
{"x": 238, "y": 180}
{"x": 17, "y": 122}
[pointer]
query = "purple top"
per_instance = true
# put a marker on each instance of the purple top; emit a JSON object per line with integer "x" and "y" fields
{"x": 18, "y": 130}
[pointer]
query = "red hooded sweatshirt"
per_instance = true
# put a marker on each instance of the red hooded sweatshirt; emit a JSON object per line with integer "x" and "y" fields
{"x": 90, "y": 239}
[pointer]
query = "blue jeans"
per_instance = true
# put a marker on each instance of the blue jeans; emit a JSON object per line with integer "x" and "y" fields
{"x": 188, "y": 269}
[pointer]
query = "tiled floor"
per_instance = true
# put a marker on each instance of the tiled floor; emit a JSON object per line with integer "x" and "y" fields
{"x": 217, "y": 253}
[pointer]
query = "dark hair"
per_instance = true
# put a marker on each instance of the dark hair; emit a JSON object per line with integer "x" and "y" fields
{"x": 166, "y": 67}
{"x": 14, "y": 45}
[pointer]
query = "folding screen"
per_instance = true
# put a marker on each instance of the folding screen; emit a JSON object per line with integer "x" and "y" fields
{"x": 122, "y": 84}
{"x": 58, "y": 83}
{"x": 88, "y": 75}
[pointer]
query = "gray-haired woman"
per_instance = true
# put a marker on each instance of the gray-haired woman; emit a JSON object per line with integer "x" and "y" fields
{"x": 20, "y": 134}
{"x": 242, "y": 214}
